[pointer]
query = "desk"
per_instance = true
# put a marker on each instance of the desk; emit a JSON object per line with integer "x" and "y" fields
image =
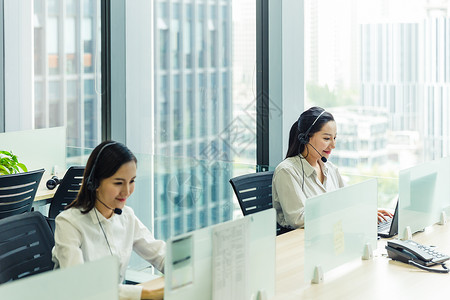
{"x": 43, "y": 194}
{"x": 360, "y": 279}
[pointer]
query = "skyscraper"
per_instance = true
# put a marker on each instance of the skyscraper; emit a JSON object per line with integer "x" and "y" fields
{"x": 193, "y": 112}
{"x": 405, "y": 69}
{"x": 67, "y": 80}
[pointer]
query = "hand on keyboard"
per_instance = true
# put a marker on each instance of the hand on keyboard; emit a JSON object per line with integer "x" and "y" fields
{"x": 383, "y": 215}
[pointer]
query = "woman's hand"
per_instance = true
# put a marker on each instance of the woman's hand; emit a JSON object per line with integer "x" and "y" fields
{"x": 383, "y": 215}
{"x": 153, "y": 294}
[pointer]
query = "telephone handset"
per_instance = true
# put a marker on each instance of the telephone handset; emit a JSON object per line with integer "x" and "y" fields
{"x": 416, "y": 254}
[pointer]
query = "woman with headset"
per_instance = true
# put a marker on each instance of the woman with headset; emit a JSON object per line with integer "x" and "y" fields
{"x": 306, "y": 171}
{"x": 98, "y": 223}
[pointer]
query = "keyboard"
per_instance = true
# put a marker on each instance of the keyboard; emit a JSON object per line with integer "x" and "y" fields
{"x": 385, "y": 225}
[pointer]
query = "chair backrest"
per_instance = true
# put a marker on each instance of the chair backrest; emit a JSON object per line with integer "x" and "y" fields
{"x": 253, "y": 191}
{"x": 26, "y": 243}
{"x": 17, "y": 192}
{"x": 67, "y": 190}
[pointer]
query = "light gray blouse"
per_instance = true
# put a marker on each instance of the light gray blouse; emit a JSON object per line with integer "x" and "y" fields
{"x": 289, "y": 198}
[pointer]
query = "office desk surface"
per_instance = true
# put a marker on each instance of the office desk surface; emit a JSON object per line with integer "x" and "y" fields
{"x": 361, "y": 279}
{"x": 43, "y": 193}
{"x": 154, "y": 283}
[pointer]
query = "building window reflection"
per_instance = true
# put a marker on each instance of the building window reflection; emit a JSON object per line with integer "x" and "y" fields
{"x": 66, "y": 46}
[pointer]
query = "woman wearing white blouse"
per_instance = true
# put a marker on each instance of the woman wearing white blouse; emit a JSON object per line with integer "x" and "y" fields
{"x": 97, "y": 223}
{"x": 306, "y": 171}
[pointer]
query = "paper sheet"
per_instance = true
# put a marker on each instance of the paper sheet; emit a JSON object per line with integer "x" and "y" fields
{"x": 230, "y": 260}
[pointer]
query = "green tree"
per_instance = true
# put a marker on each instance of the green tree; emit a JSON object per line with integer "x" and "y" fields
{"x": 324, "y": 97}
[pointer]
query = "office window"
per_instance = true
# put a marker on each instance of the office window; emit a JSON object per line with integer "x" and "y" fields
{"x": 69, "y": 45}
{"x": 190, "y": 109}
{"x": 176, "y": 35}
{"x": 200, "y": 39}
{"x": 188, "y": 35}
{"x": 55, "y": 106}
{"x": 67, "y": 69}
{"x": 204, "y": 104}
{"x": 40, "y": 107}
{"x": 380, "y": 70}
{"x": 212, "y": 35}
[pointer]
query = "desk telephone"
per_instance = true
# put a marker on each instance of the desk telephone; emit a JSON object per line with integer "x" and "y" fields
{"x": 417, "y": 255}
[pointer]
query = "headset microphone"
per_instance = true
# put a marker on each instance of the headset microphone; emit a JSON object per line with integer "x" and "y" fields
{"x": 322, "y": 158}
{"x": 116, "y": 210}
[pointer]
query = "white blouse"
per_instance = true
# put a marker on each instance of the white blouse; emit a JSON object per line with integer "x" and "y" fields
{"x": 289, "y": 197}
{"x": 79, "y": 238}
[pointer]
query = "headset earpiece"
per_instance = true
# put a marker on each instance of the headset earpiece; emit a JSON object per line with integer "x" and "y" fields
{"x": 91, "y": 186}
{"x": 91, "y": 183}
{"x": 303, "y": 139}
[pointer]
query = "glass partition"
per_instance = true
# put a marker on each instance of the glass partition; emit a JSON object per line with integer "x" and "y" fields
{"x": 338, "y": 225}
{"x": 223, "y": 261}
{"x": 176, "y": 195}
{"x": 423, "y": 195}
{"x": 190, "y": 193}
{"x": 38, "y": 148}
{"x": 387, "y": 187}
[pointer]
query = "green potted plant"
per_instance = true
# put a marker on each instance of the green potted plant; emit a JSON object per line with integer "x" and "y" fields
{"x": 9, "y": 164}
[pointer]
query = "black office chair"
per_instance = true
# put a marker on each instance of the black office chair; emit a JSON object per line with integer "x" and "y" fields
{"x": 66, "y": 192}
{"x": 26, "y": 243}
{"x": 17, "y": 192}
{"x": 254, "y": 193}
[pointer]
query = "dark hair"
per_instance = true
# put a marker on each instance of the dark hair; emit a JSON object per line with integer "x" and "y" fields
{"x": 301, "y": 131}
{"x": 108, "y": 157}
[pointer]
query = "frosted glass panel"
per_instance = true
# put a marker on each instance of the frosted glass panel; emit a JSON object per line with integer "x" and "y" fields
{"x": 423, "y": 195}
{"x": 39, "y": 148}
{"x": 262, "y": 252}
{"x": 97, "y": 280}
{"x": 338, "y": 225}
{"x": 190, "y": 259}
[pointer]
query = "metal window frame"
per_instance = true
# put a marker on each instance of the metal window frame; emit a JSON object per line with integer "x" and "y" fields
{"x": 280, "y": 76}
{"x": 262, "y": 83}
{"x": 106, "y": 69}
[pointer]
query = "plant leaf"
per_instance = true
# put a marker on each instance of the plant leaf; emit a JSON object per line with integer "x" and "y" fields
{"x": 4, "y": 170}
{"x": 9, "y": 163}
{"x": 22, "y": 166}
{"x": 5, "y": 153}
{"x": 15, "y": 168}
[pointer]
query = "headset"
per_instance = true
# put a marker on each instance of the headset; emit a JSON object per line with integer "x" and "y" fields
{"x": 304, "y": 139}
{"x": 53, "y": 182}
{"x": 104, "y": 233}
{"x": 91, "y": 185}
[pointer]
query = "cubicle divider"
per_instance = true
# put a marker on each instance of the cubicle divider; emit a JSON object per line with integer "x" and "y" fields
{"x": 423, "y": 196}
{"x": 340, "y": 226}
{"x": 232, "y": 260}
{"x": 92, "y": 280}
{"x": 38, "y": 148}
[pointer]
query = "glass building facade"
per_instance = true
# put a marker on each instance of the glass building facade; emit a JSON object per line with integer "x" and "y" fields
{"x": 67, "y": 77}
{"x": 193, "y": 110}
